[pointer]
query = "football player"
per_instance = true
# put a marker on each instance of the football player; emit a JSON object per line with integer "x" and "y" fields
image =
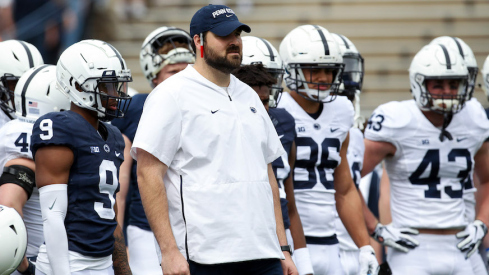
{"x": 16, "y": 57}
{"x": 322, "y": 179}
{"x": 77, "y": 157}
{"x": 35, "y": 95}
{"x": 263, "y": 70}
{"x": 430, "y": 146}
{"x": 164, "y": 52}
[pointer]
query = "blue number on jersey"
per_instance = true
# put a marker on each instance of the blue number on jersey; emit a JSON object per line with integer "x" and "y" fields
{"x": 310, "y": 164}
{"x": 21, "y": 142}
{"x": 433, "y": 157}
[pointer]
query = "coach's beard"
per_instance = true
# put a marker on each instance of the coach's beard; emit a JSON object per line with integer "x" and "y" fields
{"x": 222, "y": 63}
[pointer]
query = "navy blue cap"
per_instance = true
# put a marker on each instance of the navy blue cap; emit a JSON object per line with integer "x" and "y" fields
{"x": 219, "y": 19}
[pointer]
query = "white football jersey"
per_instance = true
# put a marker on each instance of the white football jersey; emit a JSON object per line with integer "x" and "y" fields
{"x": 318, "y": 145}
{"x": 15, "y": 137}
{"x": 3, "y": 119}
{"x": 428, "y": 176}
{"x": 356, "y": 150}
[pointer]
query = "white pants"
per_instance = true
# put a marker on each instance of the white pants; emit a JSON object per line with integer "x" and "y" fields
{"x": 478, "y": 266}
{"x": 435, "y": 255}
{"x": 107, "y": 271}
{"x": 143, "y": 259}
{"x": 349, "y": 261}
{"x": 325, "y": 259}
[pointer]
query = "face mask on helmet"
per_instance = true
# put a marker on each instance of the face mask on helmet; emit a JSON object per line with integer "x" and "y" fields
{"x": 437, "y": 99}
{"x": 162, "y": 47}
{"x": 7, "y": 87}
{"x": 110, "y": 92}
{"x": 316, "y": 82}
{"x": 352, "y": 75}
{"x": 439, "y": 79}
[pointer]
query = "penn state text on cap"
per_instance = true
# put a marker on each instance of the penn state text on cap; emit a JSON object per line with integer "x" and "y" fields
{"x": 219, "y": 19}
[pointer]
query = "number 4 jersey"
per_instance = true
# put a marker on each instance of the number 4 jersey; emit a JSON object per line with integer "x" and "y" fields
{"x": 90, "y": 219}
{"x": 318, "y": 144}
{"x": 428, "y": 176}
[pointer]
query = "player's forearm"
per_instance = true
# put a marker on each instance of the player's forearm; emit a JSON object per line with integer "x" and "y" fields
{"x": 296, "y": 229}
{"x": 155, "y": 203}
{"x": 482, "y": 203}
{"x": 351, "y": 214}
{"x": 119, "y": 256}
{"x": 370, "y": 220}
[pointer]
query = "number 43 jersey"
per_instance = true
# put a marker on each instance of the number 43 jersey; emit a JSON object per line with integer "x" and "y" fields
{"x": 93, "y": 182}
{"x": 318, "y": 145}
{"x": 428, "y": 176}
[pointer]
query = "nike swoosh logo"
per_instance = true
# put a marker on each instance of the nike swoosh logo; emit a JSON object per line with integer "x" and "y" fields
{"x": 229, "y": 15}
{"x": 460, "y": 139}
{"x": 117, "y": 154}
{"x": 281, "y": 136}
{"x": 214, "y": 111}
{"x": 53, "y": 204}
{"x": 333, "y": 130}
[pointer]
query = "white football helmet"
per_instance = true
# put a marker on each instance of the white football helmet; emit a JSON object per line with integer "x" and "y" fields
{"x": 465, "y": 51}
{"x": 94, "y": 74}
{"x": 37, "y": 94}
{"x": 438, "y": 62}
{"x": 152, "y": 61}
{"x": 16, "y": 58}
{"x": 13, "y": 237}
{"x": 311, "y": 47}
{"x": 354, "y": 66}
{"x": 485, "y": 76}
{"x": 259, "y": 51}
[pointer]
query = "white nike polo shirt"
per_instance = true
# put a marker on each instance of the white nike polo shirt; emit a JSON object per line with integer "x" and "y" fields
{"x": 217, "y": 146}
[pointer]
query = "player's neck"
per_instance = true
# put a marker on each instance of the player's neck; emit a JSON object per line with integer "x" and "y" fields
{"x": 435, "y": 118}
{"x": 309, "y": 106}
{"x": 88, "y": 115}
{"x": 213, "y": 75}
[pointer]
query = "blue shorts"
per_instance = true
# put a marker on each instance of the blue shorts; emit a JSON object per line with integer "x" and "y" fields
{"x": 256, "y": 267}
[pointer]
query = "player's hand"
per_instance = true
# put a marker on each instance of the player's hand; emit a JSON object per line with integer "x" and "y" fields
{"x": 368, "y": 261}
{"x": 173, "y": 263}
{"x": 473, "y": 235}
{"x": 287, "y": 265}
{"x": 398, "y": 238}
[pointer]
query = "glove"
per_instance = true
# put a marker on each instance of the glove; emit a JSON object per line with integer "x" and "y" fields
{"x": 397, "y": 238}
{"x": 472, "y": 235}
{"x": 368, "y": 261}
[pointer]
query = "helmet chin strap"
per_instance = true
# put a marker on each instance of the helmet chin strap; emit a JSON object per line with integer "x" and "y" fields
{"x": 447, "y": 118}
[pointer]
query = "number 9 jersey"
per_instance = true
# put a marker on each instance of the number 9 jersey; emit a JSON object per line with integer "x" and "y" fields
{"x": 93, "y": 182}
{"x": 428, "y": 177}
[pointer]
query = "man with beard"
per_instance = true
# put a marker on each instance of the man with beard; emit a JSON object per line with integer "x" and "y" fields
{"x": 204, "y": 168}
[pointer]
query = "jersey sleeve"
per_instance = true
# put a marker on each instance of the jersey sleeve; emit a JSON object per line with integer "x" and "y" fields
{"x": 387, "y": 123}
{"x": 274, "y": 146}
{"x": 15, "y": 139}
{"x": 52, "y": 129}
{"x": 160, "y": 127}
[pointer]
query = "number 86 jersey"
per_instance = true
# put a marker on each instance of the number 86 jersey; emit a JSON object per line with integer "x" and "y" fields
{"x": 93, "y": 181}
{"x": 318, "y": 145}
{"x": 428, "y": 177}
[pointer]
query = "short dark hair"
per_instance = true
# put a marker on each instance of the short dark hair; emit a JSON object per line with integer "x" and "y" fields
{"x": 204, "y": 34}
{"x": 254, "y": 75}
